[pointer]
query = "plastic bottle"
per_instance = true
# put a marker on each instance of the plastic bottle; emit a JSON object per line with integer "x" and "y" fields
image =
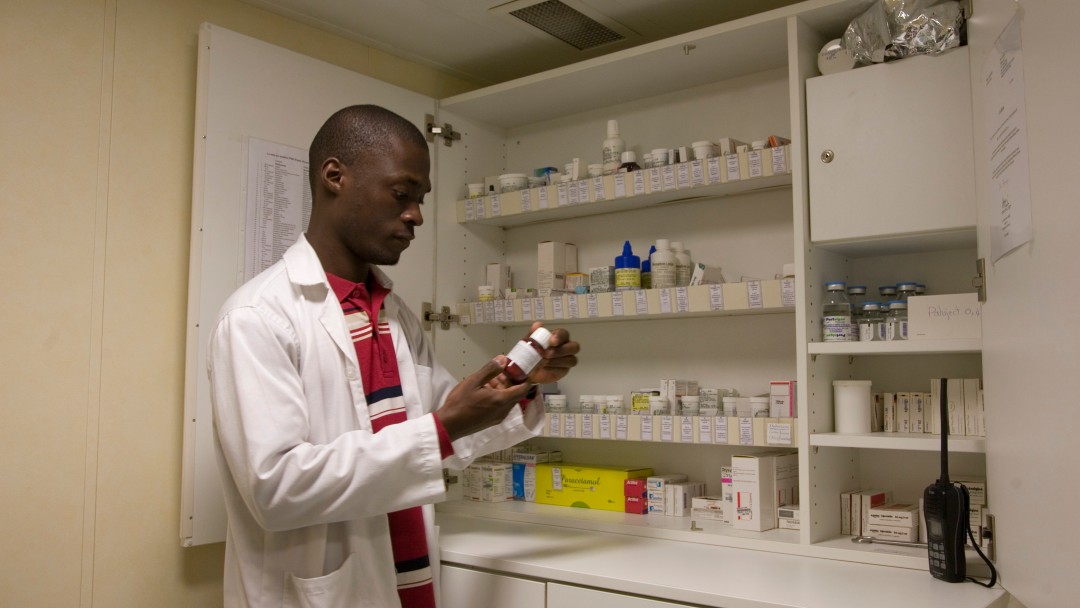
{"x": 629, "y": 162}
{"x": 683, "y": 268}
{"x": 663, "y": 265}
{"x": 646, "y": 269}
{"x": 613, "y": 148}
{"x": 836, "y": 313}
{"x": 526, "y": 354}
{"x": 627, "y": 269}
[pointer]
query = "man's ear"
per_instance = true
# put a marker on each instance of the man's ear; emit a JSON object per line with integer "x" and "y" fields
{"x": 332, "y": 175}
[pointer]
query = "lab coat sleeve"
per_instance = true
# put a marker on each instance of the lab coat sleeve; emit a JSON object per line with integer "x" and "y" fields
{"x": 515, "y": 428}
{"x": 263, "y": 421}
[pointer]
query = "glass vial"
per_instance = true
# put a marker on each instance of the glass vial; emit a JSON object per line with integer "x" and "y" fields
{"x": 896, "y": 323}
{"x": 871, "y": 323}
{"x": 856, "y": 296}
{"x": 905, "y": 290}
{"x": 526, "y": 354}
{"x": 836, "y": 314}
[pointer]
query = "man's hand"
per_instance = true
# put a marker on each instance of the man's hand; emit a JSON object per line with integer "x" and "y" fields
{"x": 479, "y": 401}
{"x": 558, "y": 358}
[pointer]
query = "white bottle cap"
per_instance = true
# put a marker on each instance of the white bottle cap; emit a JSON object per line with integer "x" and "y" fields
{"x": 676, "y": 246}
{"x": 629, "y": 157}
{"x": 542, "y": 336}
{"x": 612, "y": 128}
{"x": 662, "y": 244}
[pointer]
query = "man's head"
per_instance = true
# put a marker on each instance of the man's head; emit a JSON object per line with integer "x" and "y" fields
{"x": 369, "y": 174}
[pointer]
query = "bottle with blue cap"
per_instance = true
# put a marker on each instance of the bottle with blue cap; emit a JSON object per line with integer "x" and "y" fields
{"x": 627, "y": 269}
{"x": 836, "y": 313}
{"x": 646, "y": 269}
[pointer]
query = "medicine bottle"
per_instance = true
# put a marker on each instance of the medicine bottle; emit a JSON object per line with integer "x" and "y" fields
{"x": 683, "y": 267}
{"x": 627, "y": 269}
{"x": 905, "y": 290}
{"x": 663, "y": 265}
{"x": 555, "y": 404}
{"x": 646, "y": 269}
{"x": 836, "y": 313}
{"x": 856, "y": 295}
{"x": 897, "y": 321}
{"x": 612, "y": 147}
{"x": 659, "y": 406}
{"x": 689, "y": 405}
{"x": 587, "y": 404}
{"x": 526, "y": 354}
{"x": 887, "y": 293}
{"x": 871, "y": 323}
{"x": 629, "y": 162}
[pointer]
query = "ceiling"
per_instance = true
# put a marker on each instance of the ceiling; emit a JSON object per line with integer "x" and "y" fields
{"x": 481, "y": 42}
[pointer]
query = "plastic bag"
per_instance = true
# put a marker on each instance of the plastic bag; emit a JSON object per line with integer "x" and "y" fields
{"x": 893, "y": 29}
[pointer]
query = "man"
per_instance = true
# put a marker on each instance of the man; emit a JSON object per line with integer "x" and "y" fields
{"x": 332, "y": 418}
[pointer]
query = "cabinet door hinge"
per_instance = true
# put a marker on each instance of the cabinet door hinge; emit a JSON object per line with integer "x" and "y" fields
{"x": 979, "y": 280}
{"x": 446, "y": 131}
{"x": 443, "y": 318}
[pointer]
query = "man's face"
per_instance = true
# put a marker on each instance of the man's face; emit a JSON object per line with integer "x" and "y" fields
{"x": 379, "y": 206}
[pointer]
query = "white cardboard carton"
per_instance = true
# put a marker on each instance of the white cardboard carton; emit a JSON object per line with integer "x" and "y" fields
{"x": 946, "y": 317}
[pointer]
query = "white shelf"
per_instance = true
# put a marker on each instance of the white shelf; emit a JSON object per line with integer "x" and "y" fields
{"x": 750, "y": 298}
{"x": 904, "y": 347}
{"x": 511, "y": 211}
{"x": 755, "y": 432}
{"x": 898, "y": 441}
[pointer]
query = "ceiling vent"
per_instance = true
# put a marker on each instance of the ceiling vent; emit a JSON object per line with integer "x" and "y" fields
{"x": 567, "y": 23}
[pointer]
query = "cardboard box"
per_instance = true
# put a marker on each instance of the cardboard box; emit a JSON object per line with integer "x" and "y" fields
{"x": 678, "y": 497}
{"x": 636, "y": 505}
{"x": 903, "y": 412}
{"x": 861, "y": 504}
{"x": 976, "y": 488}
{"x": 498, "y": 276}
{"x": 945, "y": 317}
{"x": 727, "y": 492}
{"x": 755, "y": 487}
{"x": 782, "y": 399}
{"x": 895, "y": 514}
{"x": 973, "y": 419}
{"x": 892, "y": 532}
{"x": 584, "y": 486}
{"x": 524, "y": 472}
{"x": 707, "y": 508}
{"x": 498, "y": 481}
{"x": 554, "y": 260}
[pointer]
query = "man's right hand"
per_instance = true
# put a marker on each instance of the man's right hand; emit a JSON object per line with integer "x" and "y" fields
{"x": 477, "y": 402}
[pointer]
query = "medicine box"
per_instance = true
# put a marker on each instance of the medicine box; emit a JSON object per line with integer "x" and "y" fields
{"x": 782, "y": 399}
{"x": 895, "y": 514}
{"x": 584, "y": 486}
{"x": 498, "y": 276}
{"x": 524, "y": 472}
{"x": 727, "y": 493}
{"x": 754, "y": 480}
{"x": 892, "y": 532}
{"x": 554, "y": 260}
{"x": 707, "y": 507}
{"x": 976, "y": 487}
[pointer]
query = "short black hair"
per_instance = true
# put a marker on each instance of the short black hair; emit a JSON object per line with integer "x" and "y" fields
{"x": 353, "y": 131}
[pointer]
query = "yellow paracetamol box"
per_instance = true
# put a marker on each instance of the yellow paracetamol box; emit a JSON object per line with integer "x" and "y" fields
{"x": 584, "y": 486}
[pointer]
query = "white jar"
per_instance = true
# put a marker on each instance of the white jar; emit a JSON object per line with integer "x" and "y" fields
{"x": 555, "y": 403}
{"x": 510, "y": 182}
{"x": 759, "y": 407}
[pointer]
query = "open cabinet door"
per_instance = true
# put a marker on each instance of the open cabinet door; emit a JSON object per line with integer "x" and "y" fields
{"x": 1031, "y": 334}
{"x": 250, "y": 91}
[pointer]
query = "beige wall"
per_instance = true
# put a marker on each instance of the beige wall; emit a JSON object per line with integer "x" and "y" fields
{"x": 97, "y": 109}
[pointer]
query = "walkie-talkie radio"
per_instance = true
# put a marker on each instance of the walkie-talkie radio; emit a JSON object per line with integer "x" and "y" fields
{"x": 945, "y": 507}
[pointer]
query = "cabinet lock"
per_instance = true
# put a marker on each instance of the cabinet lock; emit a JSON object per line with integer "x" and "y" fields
{"x": 827, "y": 156}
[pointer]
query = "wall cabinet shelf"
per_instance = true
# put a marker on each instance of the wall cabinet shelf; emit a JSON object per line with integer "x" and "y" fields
{"x": 899, "y": 441}
{"x": 904, "y": 347}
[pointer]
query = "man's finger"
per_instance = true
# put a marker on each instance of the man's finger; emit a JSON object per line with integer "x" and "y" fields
{"x": 491, "y": 369}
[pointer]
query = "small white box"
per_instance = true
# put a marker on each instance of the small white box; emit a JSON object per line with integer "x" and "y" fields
{"x": 946, "y": 317}
{"x": 754, "y": 487}
{"x": 498, "y": 276}
{"x": 895, "y": 514}
{"x": 727, "y": 493}
{"x": 973, "y": 419}
{"x": 554, "y": 260}
{"x": 890, "y": 412}
{"x": 782, "y": 399}
{"x": 707, "y": 507}
{"x": 903, "y": 533}
{"x": 903, "y": 412}
{"x": 787, "y": 517}
{"x": 976, "y": 488}
{"x": 657, "y": 482}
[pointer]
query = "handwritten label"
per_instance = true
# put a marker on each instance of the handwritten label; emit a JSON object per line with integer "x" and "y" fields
{"x": 470, "y": 210}
{"x": 646, "y": 428}
{"x": 656, "y": 181}
{"x": 605, "y": 426}
{"x": 556, "y": 425}
{"x": 526, "y": 200}
{"x": 557, "y": 307}
{"x": 778, "y": 433}
{"x": 621, "y": 426}
{"x": 526, "y": 309}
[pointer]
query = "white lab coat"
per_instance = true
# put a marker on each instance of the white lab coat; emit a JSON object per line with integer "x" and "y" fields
{"x": 307, "y": 484}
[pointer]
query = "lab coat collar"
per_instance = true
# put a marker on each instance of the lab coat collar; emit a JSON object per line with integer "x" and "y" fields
{"x": 304, "y": 268}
